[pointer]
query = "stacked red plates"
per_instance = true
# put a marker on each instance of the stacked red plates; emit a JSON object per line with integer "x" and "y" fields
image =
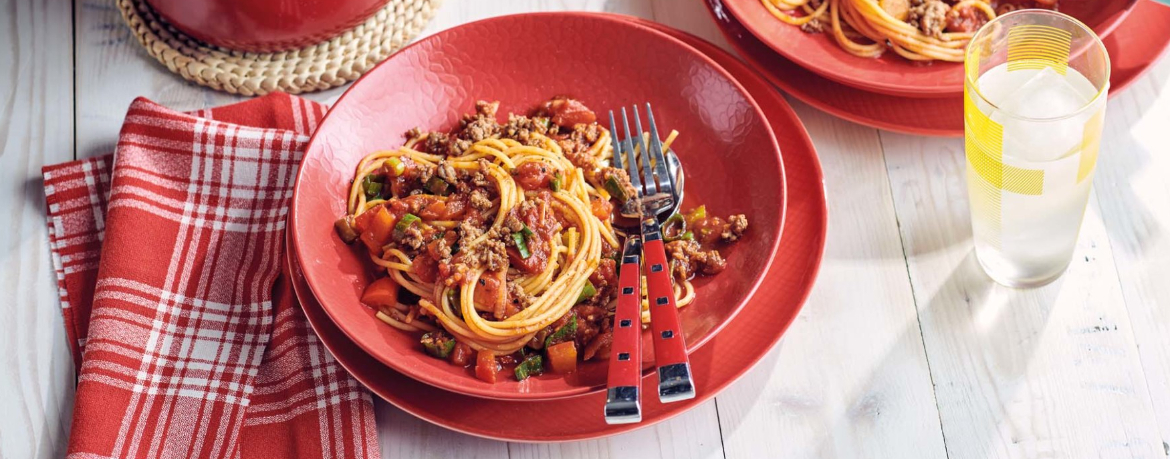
{"x": 897, "y": 95}
{"x": 742, "y": 148}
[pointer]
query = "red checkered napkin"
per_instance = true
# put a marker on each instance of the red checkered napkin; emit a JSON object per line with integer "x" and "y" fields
{"x": 188, "y": 338}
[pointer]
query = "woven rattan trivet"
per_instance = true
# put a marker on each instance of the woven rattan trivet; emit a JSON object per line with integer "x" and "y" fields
{"x": 322, "y": 66}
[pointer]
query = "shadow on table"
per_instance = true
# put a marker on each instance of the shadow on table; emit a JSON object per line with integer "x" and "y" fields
{"x": 1122, "y": 161}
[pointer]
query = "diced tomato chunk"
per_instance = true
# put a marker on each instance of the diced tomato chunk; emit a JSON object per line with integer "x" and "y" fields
{"x": 490, "y": 292}
{"x": 568, "y": 112}
{"x": 486, "y": 366}
{"x": 533, "y": 175}
{"x": 425, "y": 267}
{"x": 461, "y": 355}
{"x": 602, "y": 209}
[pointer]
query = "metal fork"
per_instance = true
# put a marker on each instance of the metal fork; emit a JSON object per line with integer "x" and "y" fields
{"x": 657, "y": 192}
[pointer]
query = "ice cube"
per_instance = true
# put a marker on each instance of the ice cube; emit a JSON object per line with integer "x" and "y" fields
{"x": 1046, "y": 95}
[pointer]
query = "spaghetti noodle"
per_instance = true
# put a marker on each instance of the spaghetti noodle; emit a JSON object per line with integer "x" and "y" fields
{"x": 918, "y": 30}
{"x": 499, "y": 239}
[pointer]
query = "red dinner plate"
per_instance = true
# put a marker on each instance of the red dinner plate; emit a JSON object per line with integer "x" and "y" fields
{"x": 1133, "y": 47}
{"x": 891, "y": 74}
{"x": 728, "y": 356}
{"x": 726, "y": 146}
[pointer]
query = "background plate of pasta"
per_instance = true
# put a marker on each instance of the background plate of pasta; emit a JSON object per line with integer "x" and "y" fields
{"x": 909, "y": 48}
{"x": 456, "y": 204}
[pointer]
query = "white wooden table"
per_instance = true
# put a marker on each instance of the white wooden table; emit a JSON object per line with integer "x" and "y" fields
{"x": 905, "y": 349}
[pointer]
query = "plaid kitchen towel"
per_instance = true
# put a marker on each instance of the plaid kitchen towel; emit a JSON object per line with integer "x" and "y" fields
{"x": 188, "y": 339}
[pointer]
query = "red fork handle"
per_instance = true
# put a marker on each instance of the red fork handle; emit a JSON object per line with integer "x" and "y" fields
{"x": 670, "y": 350}
{"x": 623, "y": 402}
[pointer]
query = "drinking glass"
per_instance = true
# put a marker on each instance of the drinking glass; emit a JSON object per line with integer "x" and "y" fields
{"x": 1034, "y": 96}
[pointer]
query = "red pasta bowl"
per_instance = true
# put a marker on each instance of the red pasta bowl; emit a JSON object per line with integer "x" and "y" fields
{"x": 891, "y": 74}
{"x": 727, "y": 148}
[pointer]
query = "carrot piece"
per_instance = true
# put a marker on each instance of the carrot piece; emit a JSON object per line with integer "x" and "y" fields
{"x": 381, "y": 293}
{"x": 562, "y": 357}
{"x": 378, "y": 228}
{"x": 486, "y": 366}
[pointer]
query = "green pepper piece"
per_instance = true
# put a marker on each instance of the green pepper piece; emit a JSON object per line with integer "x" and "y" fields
{"x": 438, "y": 345}
{"x": 395, "y": 165}
{"x": 521, "y": 244}
{"x": 372, "y": 188}
{"x": 697, "y": 214}
{"x": 531, "y": 366}
{"x": 404, "y": 223}
{"x": 438, "y": 186}
{"x": 566, "y": 332}
{"x": 587, "y": 291}
{"x": 555, "y": 184}
{"x": 615, "y": 189}
{"x": 673, "y": 228}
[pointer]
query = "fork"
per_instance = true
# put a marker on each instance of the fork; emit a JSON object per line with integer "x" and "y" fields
{"x": 657, "y": 191}
{"x": 623, "y": 396}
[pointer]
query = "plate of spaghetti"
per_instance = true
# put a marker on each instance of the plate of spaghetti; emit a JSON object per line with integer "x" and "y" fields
{"x": 910, "y": 48}
{"x": 454, "y": 211}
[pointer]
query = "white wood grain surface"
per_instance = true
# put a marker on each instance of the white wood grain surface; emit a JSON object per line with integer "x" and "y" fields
{"x": 905, "y": 349}
{"x": 36, "y": 128}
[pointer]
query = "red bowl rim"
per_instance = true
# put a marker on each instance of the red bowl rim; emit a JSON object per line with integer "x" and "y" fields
{"x": 453, "y": 385}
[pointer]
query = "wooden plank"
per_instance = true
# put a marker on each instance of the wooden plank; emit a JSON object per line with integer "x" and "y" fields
{"x": 36, "y": 128}
{"x": 1046, "y": 372}
{"x": 850, "y": 378}
{"x": 403, "y": 435}
{"x": 692, "y": 435}
{"x": 113, "y": 70}
{"x": 1135, "y": 204}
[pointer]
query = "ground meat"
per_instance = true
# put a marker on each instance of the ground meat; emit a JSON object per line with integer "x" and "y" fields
{"x": 688, "y": 258}
{"x": 519, "y": 298}
{"x": 480, "y": 177}
{"x": 468, "y": 231}
{"x": 521, "y": 128}
{"x": 621, "y": 177}
{"x": 489, "y": 255}
{"x": 736, "y": 225}
{"x": 813, "y": 26}
{"x": 485, "y": 109}
{"x": 443, "y": 250}
{"x": 479, "y": 200}
{"x": 930, "y": 16}
{"x": 447, "y": 172}
{"x": 437, "y": 143}
{"x": 480, "y": 129}
{"x": 513, "y": 223}
{"x": 473, "y": 128}
{"x": 577, "y": 143}
{"x": 414, "y": 133}
{"x": 412, "y": 237}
